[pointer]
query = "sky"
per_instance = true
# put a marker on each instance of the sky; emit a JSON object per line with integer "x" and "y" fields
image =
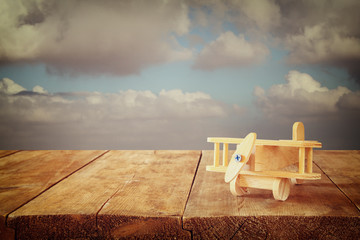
{"x": 162, "y": 74}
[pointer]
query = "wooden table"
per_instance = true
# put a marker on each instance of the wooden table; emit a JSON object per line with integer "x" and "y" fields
{"x": 167, "y": 195}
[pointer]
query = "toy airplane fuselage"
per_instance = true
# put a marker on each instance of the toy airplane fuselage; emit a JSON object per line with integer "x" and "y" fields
{"x": 266, "y": 164}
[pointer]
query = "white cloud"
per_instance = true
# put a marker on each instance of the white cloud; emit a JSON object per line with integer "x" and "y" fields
{"x": 39, "y": 89}
{"x": 8, "y": 86}
{"x": 330, "y": 116}
{"x": 229, "y": 50}
{"x": 127, "y": 119}
{"x": 301, "y": 96}
{"x": 119, "y": 37}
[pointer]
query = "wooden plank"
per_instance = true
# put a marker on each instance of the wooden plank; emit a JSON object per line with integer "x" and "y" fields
{"x": 284, "y": 143}
{"x": 26, "y": 174}
{"x": 140, "y": 194}
{"x": 343, "y": 168}
{"x": 4, "y": 153}
{"x": 314, "y": 209}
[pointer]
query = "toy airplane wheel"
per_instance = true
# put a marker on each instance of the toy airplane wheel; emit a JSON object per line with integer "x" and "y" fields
{"x": 281, "y": 188}
{"x": 240, "y": 157}
{"x": 236, "y": 190}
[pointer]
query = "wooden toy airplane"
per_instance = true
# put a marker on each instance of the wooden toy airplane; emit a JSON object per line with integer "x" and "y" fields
{"x": 266, "y": 164}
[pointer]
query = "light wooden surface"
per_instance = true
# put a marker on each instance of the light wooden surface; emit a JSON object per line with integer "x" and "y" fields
{"x": 315, "y": 209}
{"x": 121, "y": 194}
{"x": 25, "y": 174}
{"x": 151, "y": 194}
{"x": 4, "y": 153}
{"x": 343, "y": 168}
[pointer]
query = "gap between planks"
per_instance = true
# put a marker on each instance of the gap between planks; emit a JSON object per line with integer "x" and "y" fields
{"x": 121, "y": 186}
{"x": 10, "y": 153}
{"x": 189, "y": 193}
{"x": 46, "y": 189}
{"x": 352, "y": 202}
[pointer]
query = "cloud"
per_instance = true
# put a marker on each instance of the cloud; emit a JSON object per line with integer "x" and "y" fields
{"x": 320, "y": 44}
{"x": 124, "y": 120}
{"x": 125, "y": 105}
{"x": 229, "y": 50}
{"x": 8, "y": 86}
{"x": 118, "y": 37}
{"x": 39, "y": 89}
{"x": 245, "y": 14}
{"x": 314, "y": 32}
{"x": 262, "y": 14}
{"x": 350, "y": 101}
{"x": 301, "y": 96}
{"x": 330, "y": 116}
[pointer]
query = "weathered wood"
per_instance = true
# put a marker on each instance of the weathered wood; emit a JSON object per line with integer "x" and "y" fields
{"x": 342, "y": 167}
{"x": 6, "y": 233}
{"x": 142, "y": 194}
{"x": 314, "y": 209}
{"x": 26, "y": 174}
{"x": 152, "y": 203}
{"x": 121, "y": 194}
{"x": 4, "y": 153}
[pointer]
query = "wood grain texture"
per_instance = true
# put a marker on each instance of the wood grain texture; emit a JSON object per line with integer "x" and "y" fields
{"x": 269, "y": 158}
{"x": 315, "y": 208}
{"x": 4, "y": 153}
{"x": 6, "y": 233}
{"x": 121, "y": 194}
{"x": 25, "y": 174}
{"x": 151, "y": 204}
{"x": 342, "y": 167}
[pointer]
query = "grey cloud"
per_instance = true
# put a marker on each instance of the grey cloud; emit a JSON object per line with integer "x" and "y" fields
{"x": 314, "y": 32}
{"x": 321, "y": 32}
{"x": 350, "y": 101}
{"x": 124, "y": 37}
{"x": 116, "y": 37}
{"x": 229, "y": 50}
